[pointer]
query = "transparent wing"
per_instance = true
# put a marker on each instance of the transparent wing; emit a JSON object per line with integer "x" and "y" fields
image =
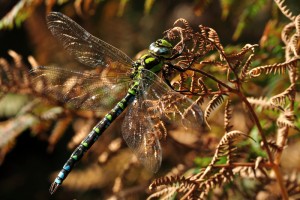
{"x": 156, "y": 105}
{"x": 141, "y": 135}
{"x": 82, "y": 90}
{"x": 173, "y": 108}
{"x": 85, "y": 47}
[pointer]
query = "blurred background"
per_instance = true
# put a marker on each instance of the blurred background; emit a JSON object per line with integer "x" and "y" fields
{"x": 27, "y": 161}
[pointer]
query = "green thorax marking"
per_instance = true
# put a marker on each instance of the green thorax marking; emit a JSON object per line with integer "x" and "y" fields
{"x": 152, "y": 63}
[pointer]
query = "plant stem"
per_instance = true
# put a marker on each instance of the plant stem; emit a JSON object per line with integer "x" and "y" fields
{"x": 275, "y": 166}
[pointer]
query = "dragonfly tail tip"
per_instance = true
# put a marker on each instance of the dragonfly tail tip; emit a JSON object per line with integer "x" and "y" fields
{"x": 53, "y": 187}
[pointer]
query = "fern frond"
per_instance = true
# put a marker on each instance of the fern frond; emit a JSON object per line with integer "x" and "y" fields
{"x": 287, "y": 119}
{"x": 250, "y": 172}
{"x": 12, "y": 128}
{"x": 172, "y": 183}
{"x": 273, "y": 146}
{"x": 81, "y": 127}
{"x": 284, "y": 9}
{"x": 58, "y": 130}
{"x": 202, "y": 85}
{"x": 227, "y": 116}
{"x": 225, "y": 148}
{"x": 218, "y": 179}
{"x": 241, "y": 54}
{"x": 286, "y": 32}
{"x": 165, "y": 193}
{"x": 292, "y": 183}
{"x": 213, "y": 37}
{"x": 245, "y": 69}
{"x": 297, "y": 25}
{"x": 213, "y": 104}
{"x": 294, "y": 45}
{"x": 279, "y": 68}
{"x": 185, "y": 23}
{"x": 262, "y": 103}
{"x": 280, "y": 99}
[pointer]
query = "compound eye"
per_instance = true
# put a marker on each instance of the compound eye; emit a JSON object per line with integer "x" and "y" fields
{"x": 161, "y": 48}
{"x": 160, "y": 51}
{"x": 163, "y": 51}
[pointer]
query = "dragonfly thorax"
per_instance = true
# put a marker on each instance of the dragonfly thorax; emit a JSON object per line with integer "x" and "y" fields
{"x": 154, "y": 60}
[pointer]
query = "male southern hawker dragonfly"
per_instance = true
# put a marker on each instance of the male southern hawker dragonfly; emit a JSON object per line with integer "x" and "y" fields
{"x": 123, "y": 83}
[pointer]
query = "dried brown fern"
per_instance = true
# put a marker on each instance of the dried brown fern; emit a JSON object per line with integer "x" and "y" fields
{"x": 278, "y": 68}
{"x": 212, "y": 105}
{"x": 228, "y": 116}
{"x": 197, "y": 44}
{"x": 263, "y": 103}
{"x": 284, "y": 9}
{"x": 280, "y": 99}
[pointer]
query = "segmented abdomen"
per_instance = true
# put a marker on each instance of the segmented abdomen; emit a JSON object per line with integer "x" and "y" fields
{"x": 93, "y": 136}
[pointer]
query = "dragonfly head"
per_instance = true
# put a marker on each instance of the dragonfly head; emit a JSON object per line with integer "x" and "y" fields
{"x": 161, "y": 48}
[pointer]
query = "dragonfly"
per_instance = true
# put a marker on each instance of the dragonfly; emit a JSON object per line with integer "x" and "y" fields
{"x": 121, "y": 83}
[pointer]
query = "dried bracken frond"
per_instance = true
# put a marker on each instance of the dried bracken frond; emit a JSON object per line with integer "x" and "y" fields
{"x": 278, "y": 68}
{"x": 280, "y": 99}
{"x": 245, "y": 69}
{"x": 168, "y": 186}
{"x": 297, "y": 24}
{"x": 213, "y": 36}
{"x": 240, "y": 55}
{"x": 287, "y": 32}
{"x": 292, "y": 183}
{"x": 294, "y": 45}
{"x": 284, "y": 9}
{"x": 57, "y": 132}
{"x": 113, "y": 147}
{"x": 14, "y": 76}
{"x": 228, "y": 116}
{"x": 225, "y": 148}
{"x": 196, "y": 44}
{"x": 81, "y": 127}
{"x": 250, "y": 172}
{"x": 287, "y": 119}
{"x": 218, "y": 179}
{"x": 51, "y": 113}
{"x": 201, "y": 84}
{"x": 212, "y": 105}
{"x": 272, "y": 146}
{"x": 263, "y": 103}
{"x": 11, "y": 129}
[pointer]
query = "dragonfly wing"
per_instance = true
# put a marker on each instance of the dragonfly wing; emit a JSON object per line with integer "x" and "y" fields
{"x": 168, "y": 106}
{"x": 81, "y": 89}
{"x": 85, "y": 47}
{"x": 141, "y": 136}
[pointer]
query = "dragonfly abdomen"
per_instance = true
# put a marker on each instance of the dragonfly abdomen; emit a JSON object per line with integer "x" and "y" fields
{"x": 91, "y": 138}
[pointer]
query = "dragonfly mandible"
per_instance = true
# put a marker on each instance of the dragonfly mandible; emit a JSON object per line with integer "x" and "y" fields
{"x": 151, "y": 102}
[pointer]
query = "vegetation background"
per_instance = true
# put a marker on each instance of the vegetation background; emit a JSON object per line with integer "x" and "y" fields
{"x": 33, "y": 148}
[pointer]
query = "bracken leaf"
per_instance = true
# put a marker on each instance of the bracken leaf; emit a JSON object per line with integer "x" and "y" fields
{"x": 278, "y": 68}
{"x": 213, "y": 104}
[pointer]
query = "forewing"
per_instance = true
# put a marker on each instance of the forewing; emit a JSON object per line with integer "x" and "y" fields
{"x": 85, "y": 47}
{"x": 171, "y": 107}
{"x": 141, "y": 136}
{"x": 81, "y": 90}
